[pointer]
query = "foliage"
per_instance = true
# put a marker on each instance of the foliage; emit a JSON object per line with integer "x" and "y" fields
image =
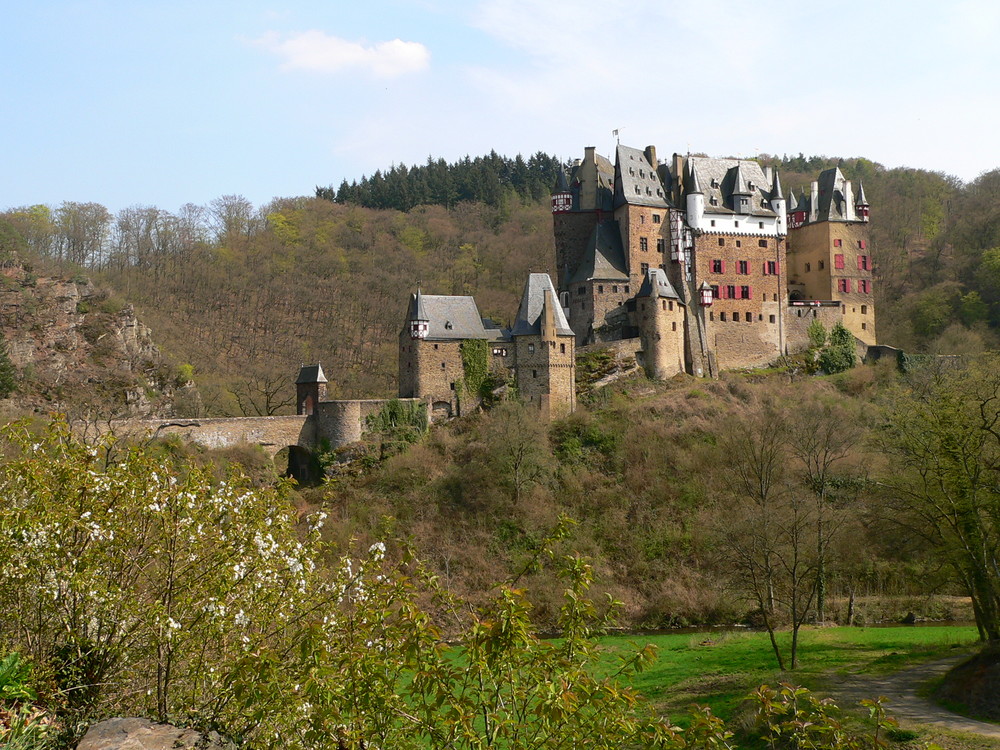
{"x": 941, "y": 431}
{"x": 840, "y": 354}
{"x": 817, "y": 334}
{"x": 486, "y": 179}
{"x": 475, "y": 364}
{"x": 8, "y": 373}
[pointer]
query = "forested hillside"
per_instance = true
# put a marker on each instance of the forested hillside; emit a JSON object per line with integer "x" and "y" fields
{"x": 245, "y": 294}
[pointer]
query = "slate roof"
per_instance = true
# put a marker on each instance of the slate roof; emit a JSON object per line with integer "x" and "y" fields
{"x": 604, "y": 257}
{"x": 529, "y": 313}
{"x": 311, "y": 374}
{"x": 636, "y": 181}
{"x": 605, "y": 183}
{"x": 450, "y": 317}
{"x": 833, "y": 200}
{"x": 656, "y": 285}
{"x": 720, "y": 179}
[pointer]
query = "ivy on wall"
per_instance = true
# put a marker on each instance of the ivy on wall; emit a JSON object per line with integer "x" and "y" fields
{"x": 475, "y": 363}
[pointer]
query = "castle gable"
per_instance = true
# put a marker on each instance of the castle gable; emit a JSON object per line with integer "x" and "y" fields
{"x": 451, "y": 317}
{"x": 604, "y": 257}
{"x": 529, "y": 313}
{"x": 636, "y": 181}
{"x": 721, "y": 179}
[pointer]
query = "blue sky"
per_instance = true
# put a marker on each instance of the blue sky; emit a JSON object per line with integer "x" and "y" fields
{"x": 163, "y": 103}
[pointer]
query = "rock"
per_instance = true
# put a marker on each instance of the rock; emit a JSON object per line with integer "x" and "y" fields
{"x": 143, "y": 734}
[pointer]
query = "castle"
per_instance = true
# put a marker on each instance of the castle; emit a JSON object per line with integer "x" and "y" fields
{"x": 697, "y": 265}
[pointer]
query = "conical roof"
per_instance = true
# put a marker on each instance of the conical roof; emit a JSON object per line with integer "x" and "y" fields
{"x": 656, "y": 285}
{"x": 533, "y": 301}
{"x": 311, "y": 374}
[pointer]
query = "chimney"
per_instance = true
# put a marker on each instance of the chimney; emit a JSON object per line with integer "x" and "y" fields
{"x": 814, "y": 201}
{"x": 651, "y": 155}
{"x": 588, "y": 154}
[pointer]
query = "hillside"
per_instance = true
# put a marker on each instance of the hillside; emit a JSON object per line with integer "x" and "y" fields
{"x": 244, "y": 295}
{"x": 76, "y": 350}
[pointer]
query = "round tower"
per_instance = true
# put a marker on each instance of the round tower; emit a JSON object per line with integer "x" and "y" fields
{"x": 778, "y": 205}
{"x": 695, "y": 200}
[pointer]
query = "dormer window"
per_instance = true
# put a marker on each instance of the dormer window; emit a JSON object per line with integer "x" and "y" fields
{"x": 714, "y": 183}
{"x": 448, "y": 325}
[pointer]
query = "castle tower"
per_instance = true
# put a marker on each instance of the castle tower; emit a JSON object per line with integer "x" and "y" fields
{"x": 310, "y": 388}
{"x": 660, "y": 319}
{"x": 829, "y": 259}
{"x": 544, "y": 349}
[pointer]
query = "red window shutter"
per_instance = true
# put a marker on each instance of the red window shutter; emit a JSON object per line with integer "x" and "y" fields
{"x": 838, "y": 260}
{"x": 722, "y": 292}
{"x": 722, "y": 266}
{"x": 749, "y": 292}
{"x": 764, "y": 270}
{"x": 861, "y": 262}
{"x": 777, "y": 267}
{"x": 862, "y": 244}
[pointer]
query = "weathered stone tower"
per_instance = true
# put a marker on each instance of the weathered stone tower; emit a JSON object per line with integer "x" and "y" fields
{"x": 544, "y": 349}
{"x": 310, "y": 389}
{"x": 828, "y": 252}
{"x": 660, "y": 315}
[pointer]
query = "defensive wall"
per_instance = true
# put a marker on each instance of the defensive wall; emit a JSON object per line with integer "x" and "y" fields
{"x": 334, "y": 424}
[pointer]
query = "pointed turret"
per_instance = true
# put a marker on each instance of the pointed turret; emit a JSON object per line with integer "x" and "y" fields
{"x": 778, "y": 205}
{"x": 310, "y": 388}
{"x": 741, "y": 190}
{"x": 776, "y": 187}
{"x": 695, "y": 198}
{"x": 419, "y": 322}
{"x": 861, "y": 203}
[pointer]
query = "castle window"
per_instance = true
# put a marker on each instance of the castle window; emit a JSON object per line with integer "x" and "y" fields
{"x": 663, "y": 304}
{"x": 760, "y": 225}
{"x": 861, "y": 244}
{"x": 714, "y": 183}
{"x": 534, "y": 373}
{"x": 838, "y": 260}
{"x": 744, "y": 292}
{"x": 864, "y": 326}
{"x": 799, "y": 313}
{"x": 673, "y": 326}
{"x": 713, "y": 201}
{"x": 843, "y": 285}
{"x": 715, "y": 291}
{"x": 864, "y": 309}
{"x": 864, "y": 286}
{"x": 739, "y": 244}
{"x": 770, "y": 268}
{"x": 808, "y": 268}
{"x": 713, "y": 222}
{"x": 614, "y": 288}
{"x": 642, "y": 219}
{"x": 711, "y": 316}
{"x": 626, "y": 289}
{"x": 775, "y": 297}
{"x": 863, "y": 263}
{"x": 760, "y": 317}
{"x": 770, "y": 318}
{"x": 837, "y": 243}
{"x": 435, "y": 346}
{"x": 749, "y": 317}
{"x": 736, "y": 317}
{"x": 600, "y": 288}
{"x": 582, "y": 290}
{"x": 822, "y": 265}
{"x": 442, "y": 366}
{"x": 743, "y": 266}
{"x": 736, "y": 223}
{"x": 656, "y": 218}
{"x": 637, "y": 190}
{"x": 562, "y": 348}
{"x": 722, "y": 317}
{"x": 670, "y": 305}
{"x": 761, "y": 243}
{"x": 722, "y": 240}
{"x": 644, "y": 267}
{"x": 452, "y": 386}
{"x": 718, "y": 266}
{"x": 644, "y": 244}
{"x": 731, "y": 291}
{"x": 661, "y": 245}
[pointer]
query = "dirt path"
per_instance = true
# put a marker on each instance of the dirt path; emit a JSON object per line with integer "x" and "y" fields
{"x": 903, "y": 702}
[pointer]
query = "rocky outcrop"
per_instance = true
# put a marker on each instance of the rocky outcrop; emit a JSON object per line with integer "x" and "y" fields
{"x": 77, "y": 349}
{"x": 143, "y": 734}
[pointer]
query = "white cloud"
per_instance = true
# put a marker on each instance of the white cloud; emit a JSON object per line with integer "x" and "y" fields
{"x": 319, "y": 52}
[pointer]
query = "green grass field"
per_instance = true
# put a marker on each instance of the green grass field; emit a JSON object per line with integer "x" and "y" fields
{"x": 719, "y": 669}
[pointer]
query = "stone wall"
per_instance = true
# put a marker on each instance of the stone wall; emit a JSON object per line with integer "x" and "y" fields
{"x": 648, "y": 223}
{"x": 432, "y": 370}
{"x": 546, "y": 373}
{"x": 743, "y": 331}
{"x": 270, "y": 433}
{"x": 799, "y": 318}
{"x": 343, "y": 422}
